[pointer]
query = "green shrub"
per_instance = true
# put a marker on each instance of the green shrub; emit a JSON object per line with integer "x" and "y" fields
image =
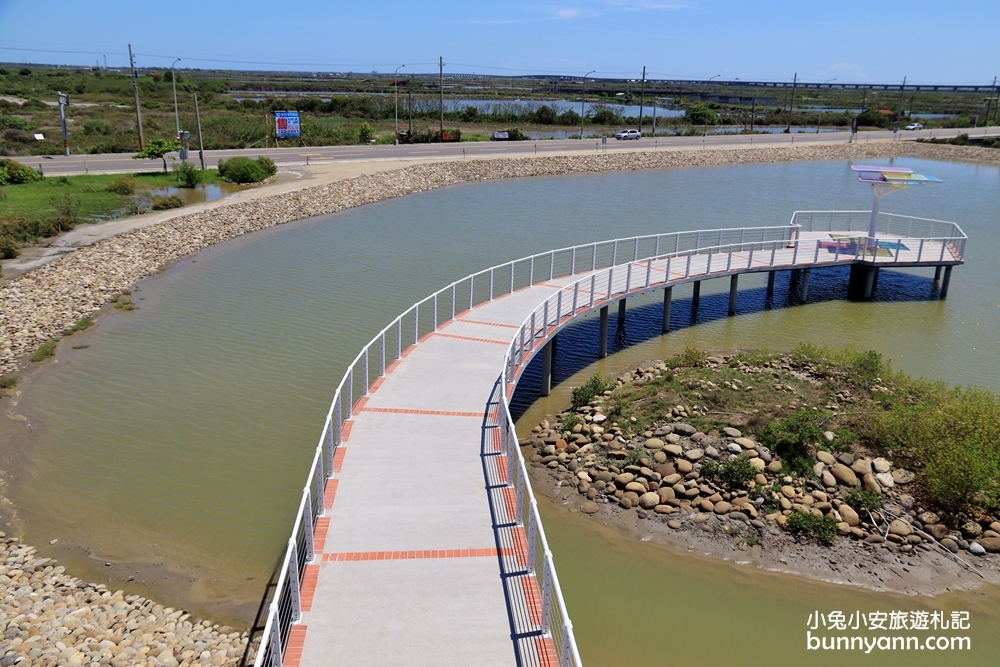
{"x": 737, "y": 471}
{"x": 267, "y": 164}
{"x": 571, "y": 420}
{"x": 365, "y": 133}
{"x": 66, "y": 211}
{"x": 15, "y": 173}
{"x": 689, "y": 358}
{"x": 9, "y": 248}
{"x": 244, "y": 170}
{"x": 823, "y": 529}
{"x": 860, "y": 498}
{"x": 596, "y": 385}
{"x": 791, "y": 436}
{"x": 166, "y": 203}
{"x": 123, "y": 185}
{"x": 8, "y": 122}
{"x": 8, "y": 382}
{"x": 188, "y": 175}
{"x": 96, "y": 126}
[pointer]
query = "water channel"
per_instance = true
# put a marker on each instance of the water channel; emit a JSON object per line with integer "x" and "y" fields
{"x": 177, "y": 442}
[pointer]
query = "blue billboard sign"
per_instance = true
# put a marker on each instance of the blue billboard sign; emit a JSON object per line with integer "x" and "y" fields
{"x": 286, "y": 124}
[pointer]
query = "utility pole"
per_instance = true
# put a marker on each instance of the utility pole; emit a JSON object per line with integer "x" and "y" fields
{"x": 753, "y": 110}
{"x": 441, "y": 89}
{"x": 201, "y": 144}
{"x": 995, "y": 104}
{"x": 135, "y": 89}
{"x": 899, "y": 112}
{"x": 63, "y": 99}
{"x": 791, "y": 104}
{"x": 642, "y": 97}
{"x": 409, "y": 111}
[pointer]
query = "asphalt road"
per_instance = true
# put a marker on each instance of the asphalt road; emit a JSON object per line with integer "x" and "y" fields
{"x": 121, "y": 162}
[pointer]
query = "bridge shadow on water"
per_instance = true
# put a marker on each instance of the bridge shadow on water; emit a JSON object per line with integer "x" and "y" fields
{"x": 578, "y": 343}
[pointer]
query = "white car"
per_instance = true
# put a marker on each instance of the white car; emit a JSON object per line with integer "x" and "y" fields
{"x": 915, "y": 126}
{"x": 628, "y": 134}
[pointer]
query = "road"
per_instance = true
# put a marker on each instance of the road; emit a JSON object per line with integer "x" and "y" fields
{"x": 123, "y": 163}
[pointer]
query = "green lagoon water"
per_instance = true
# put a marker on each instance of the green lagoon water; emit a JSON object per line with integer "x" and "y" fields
{"x": 180, "y": 438}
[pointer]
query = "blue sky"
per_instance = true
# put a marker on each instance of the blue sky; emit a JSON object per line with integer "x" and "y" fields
{"x": 929, "y": 42}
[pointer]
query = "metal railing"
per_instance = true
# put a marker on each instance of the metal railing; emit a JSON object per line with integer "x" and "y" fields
{"x": 615, "y": 268}
{"x": 890, "y": 224}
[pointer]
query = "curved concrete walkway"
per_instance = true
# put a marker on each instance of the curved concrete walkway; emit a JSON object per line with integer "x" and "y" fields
{"x": 418, "y": 558}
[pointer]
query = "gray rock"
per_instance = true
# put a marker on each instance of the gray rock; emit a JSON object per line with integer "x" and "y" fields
{"x": 589, "y": 507}
{"x": 885, "y": 479}
{"x": 844, "y": 475}
{"x": 648, "y": 501}
{"x": 900, "y": 476}
{"x": 684, "y": 429}
{"x": 712, "y": 452}
{"x": 653, "y": 443}
{"x": 862, "y": 467}
{"x": 732, "y": 432}
{"x": 825, "y": 457}
{"x": 881, "y": 465}
{"x": 674, "y": 523}
{"x": 673, "y": 450}
{"x": 971, "y": 530}
{"x": 938, "y": 531}
{"x": 734, "y": 448}
{"x": 694, "y": 454}
{"x": 745, "y": 443}
{"x": 869, "y": 483}
{"x": 976, "y": 549}
{"x": 828, "y": 479}
{"x": 901, "y": 528}
{"x": 846, "y": 458}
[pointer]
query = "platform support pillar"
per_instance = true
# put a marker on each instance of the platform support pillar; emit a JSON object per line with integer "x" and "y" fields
{"x": 667, "y": 297}
{"x": 603, "y": 335}
{"x": 770, "y": 284}
{"x": 547, "y": 368}
{"x": 621, "y": 312}
{"x": 695, "y": 297}
{"x": 734, "y": 282}
{"x": 804, "y": 287}
{"x": 944, "y": 283}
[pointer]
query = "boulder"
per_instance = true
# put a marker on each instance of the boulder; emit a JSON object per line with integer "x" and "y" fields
{"x": 732, "y": 432}
{"x": 885, "y": 479}
{"x": 623, "y": 479}
{"x": 773, "y": 467}
{"x": 976, "y": 549}
{"x": 819, "y": 468}
{"x": 653, "y": 443}
{"x": 636, "y": 487}
{"x": 849, "y": 516}
{"x": 991, "y": 544}
{"x": 825, "y": 457}
{"x": 706, "y": 505}
{"x": 846, "y": 458}
{"x": 938, "y": 531}
{"x": 684, "y": 429}
{"x": 694, "y": 454}
{"x": 971, "y": 530}
{"x": 589, "y": 507}
{"x": 660, "y": 457}
{"x": 869, "y": 483}
{"x": 828, "y": 479}
{"x": 829, "y": 436}
{"x": 758, "y": 464}
{"x": 683, "y": 467}
{"x": 900, "y": 528}
{"x": 928, "y": 518}
{"x": 673, "y": 450}
{"x": 745, "y": 443}
{"x": 670, "y": 480}
{"x": 862, "y": 467}
{"x": 625, "y": 503}
{"x": 711, "y": 452}
{"x": 901, "y": 476}
{"x": 722, "y": 507}
{"x": 674, "y": 523}
{"x": 648, "y": 501}
{"x": 733, "y": 448}
{"x": 665, "y": 493}
{"x": 788, "y": 491}
{"x": 881, "y": 465}
{"x": 844, "y": 475}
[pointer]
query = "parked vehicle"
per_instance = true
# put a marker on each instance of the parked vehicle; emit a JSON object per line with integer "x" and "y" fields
{"x": 915, "y": 126}
{"x": 628, "y": 134}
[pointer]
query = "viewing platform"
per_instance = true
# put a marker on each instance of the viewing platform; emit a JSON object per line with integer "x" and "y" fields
{"x": 418, "y": 540}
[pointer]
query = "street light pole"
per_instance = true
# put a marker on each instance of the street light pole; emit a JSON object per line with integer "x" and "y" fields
{"x": 704, "y": 132}
{"x": 173, "y": 80}
{"x": 583, "y": 99}
{"x": 395, "y": 87}
{"x": 819, "y": 120}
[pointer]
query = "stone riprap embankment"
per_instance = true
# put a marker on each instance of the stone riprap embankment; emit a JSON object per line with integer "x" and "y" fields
{"x": 50, "y": 618}
{"x": 43, "y": 303}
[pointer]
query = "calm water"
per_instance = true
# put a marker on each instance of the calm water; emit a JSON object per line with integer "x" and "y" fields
{"x": 180, "y": 437}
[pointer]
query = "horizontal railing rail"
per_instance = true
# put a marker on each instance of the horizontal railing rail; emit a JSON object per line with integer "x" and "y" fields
{"x": 613, "y": 269}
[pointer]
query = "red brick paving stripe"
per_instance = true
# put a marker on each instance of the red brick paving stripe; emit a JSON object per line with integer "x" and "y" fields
{"x": 491, "y": 324}
{"x": 320, "y": 532}
{"x": 532, "y": 598}
{"x": 520, "y": 543}
{"x": 473, "y": 339}
{"x": 330, "y": 492}
{"x": 338, "y": 458}
{"x": 510, "y": 502}
{"x": 293, "y": 649}
{"x": 345, "y": 430}
{"x": 309, "y": 582}
{"x": 360, "y": 404}
{"x": 344, "y": 556}
{"x": 434, "y": 413}
{"x": 502, "y": 468}
{"x": 546, "y": 648}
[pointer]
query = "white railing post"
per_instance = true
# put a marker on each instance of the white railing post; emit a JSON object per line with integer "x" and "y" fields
{"x": 364, "y": 373}
{"x": 511, "y": 278}
{"x": 628, "y": 279}
{"x": 399, "y": 338}
{"x": 614, "y": 253}
{"x": 611, "y": 273}
{"x": 293, "y": 581}
{"x": 381, "y": 354}
{"x": 531, "y": 338}
{"x": 435, "y": 327}
{"x": 572, "y": 263}
{"x": 708, "y": 265}
{"x": 337, "y": 426}
{"x": 593, "y": 261}
{"x": 656, "y": 248}
{"x": 350, "y": 392}
{"x": 545, "y": 319}
{"x": 453, "y": 301}
{"x": 546, "y": 593}
{"x": 920, "y": 250}
{"x": 472, "y": 290}
{"x": 552, "y": 264}
{"x": 531, "y": 272}
{"x": 307, "y": 525}
{"x": 649, "y": 270}
{"x": 635, "y": 250}
{"x": 576, "y": 294}
{"x": 491, "y": 284}
{"x": 593, "y": 288}
{"x": 687, "y": 271}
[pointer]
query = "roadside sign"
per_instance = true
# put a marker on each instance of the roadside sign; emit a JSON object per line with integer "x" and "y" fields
{"x": 286, "y": 124}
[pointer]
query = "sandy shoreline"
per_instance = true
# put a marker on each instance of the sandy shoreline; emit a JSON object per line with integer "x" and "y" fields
{"x": 103, "y": 260}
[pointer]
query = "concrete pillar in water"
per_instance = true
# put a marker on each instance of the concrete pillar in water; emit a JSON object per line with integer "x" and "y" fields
{"x": 734, "y": 282}
{"x": 937, "y": 273}
{"x": 547, "y": 367}
{"x": 860, "y": 284}
{"x": 795, "y": 275}
{"x": 804, "y": 288}
{"x": 621, "y": 312}
{"x": 944, "y": 283}
{"x": 695, "y": 297}
{"x": 603, "y": 335}
{"x": 667, "y": 296}
{"x": 875, "y": 270}
{"x": 770, "y": 284}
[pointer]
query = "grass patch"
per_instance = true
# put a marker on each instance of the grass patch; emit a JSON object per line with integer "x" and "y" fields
{"x": 8, "y": 382}
{"x": 596, "y": 386}
{"x": 823, "y": 529}
{"x": 81, "y": 325}
{"x": 80, "y": 347}
{"x": 123, "y": 301}
{"x": 47, "y": 349}
{"x": 861, "y": 499}
{"x": 734, "y": 472}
